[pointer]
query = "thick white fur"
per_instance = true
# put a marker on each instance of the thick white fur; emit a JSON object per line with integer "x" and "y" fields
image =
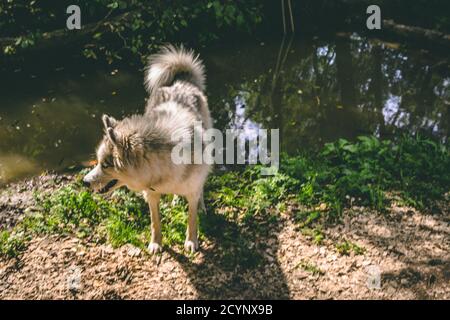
{"x": 163, "y": 67}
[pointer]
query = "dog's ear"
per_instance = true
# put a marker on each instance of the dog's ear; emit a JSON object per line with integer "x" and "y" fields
{"x": 112, "y": 135}
{"x": 108, "y": 122}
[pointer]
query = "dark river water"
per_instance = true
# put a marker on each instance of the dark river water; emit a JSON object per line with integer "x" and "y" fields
{"x": 313, "y": 91}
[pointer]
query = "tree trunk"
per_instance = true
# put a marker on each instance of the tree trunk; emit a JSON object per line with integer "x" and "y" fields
{"x": 409, "y": 33}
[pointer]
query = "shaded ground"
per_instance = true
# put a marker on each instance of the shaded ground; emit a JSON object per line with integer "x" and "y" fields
{"x": 406, "y": 255}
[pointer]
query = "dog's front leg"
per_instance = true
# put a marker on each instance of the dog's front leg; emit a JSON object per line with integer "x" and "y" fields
{"x": 152, "y": 199}
{"x": 191, "y": 243}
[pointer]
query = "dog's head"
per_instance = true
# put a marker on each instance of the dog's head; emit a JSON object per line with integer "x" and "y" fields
{"x": 113, "y": 157}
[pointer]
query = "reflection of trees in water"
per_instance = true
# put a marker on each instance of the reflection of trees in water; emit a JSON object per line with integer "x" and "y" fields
{"x": 55, "y": 120}
{"x": 423, "y": 90}
{"x": 320, "y": 93}
{"x": 53, "y": 134}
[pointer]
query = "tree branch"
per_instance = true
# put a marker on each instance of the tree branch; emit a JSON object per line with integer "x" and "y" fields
{"x": 64, "y": 36}
{"x": 409, "y": 33}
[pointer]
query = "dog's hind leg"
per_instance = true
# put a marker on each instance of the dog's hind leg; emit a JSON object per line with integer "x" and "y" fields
{"x": 191, "y": 243}
{"x": 153, "y": 203}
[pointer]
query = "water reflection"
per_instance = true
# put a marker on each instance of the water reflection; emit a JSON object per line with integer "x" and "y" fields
{"x": 343, "y": 88}
{"x": 314, "y": 92}
{"x": 14, "y": 166}
{"x": 55, "y": 121}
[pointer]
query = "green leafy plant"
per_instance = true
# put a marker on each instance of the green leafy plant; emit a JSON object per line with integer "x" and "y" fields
{"x": 310, "y": 267}
{"x": 12, "y": 243}
{"x": 346, "y": 247}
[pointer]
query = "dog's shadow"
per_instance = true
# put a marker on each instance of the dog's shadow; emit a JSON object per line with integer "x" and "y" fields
{"x": 236, "y": 261}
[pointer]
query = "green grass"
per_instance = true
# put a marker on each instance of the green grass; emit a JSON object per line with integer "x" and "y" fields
{"x": 320, "y": 185}
{"x": 73, "y": 210}
{"x": 346, "y": 173}
{"x": 342, "y": 174}
{"x": 12, "y": 243}
{"x": 345, "y": 247}
{"x": 310, "y": 267}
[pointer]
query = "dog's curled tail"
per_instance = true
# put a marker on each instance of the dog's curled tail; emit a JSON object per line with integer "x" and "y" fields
{"x": 173, "y": 63}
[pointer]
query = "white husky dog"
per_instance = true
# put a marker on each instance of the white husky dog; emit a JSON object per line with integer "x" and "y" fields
{"x": 136, "y": 151}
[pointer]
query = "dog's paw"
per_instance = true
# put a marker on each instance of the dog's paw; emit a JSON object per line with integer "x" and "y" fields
{"x": 154, "y": 248}
{"x": 191, "y": 246}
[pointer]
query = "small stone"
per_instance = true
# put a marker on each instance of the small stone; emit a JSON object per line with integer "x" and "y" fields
{"x": 81, "y": 253}
{"x": 134, "y": 252}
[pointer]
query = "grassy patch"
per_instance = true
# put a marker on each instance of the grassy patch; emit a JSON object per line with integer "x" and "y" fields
{"x": 174, "y": 221}
{"x": 247, "y": 194}
{"x": 346, "y": 173}
{"x": 342, "y": 174}
{"x": 73, "y": 210}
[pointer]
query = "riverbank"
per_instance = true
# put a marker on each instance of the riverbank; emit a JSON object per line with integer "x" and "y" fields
{"x": 293, "y": 235}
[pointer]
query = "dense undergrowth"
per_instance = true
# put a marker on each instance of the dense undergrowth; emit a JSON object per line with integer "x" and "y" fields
{"x": 316, "y": 189}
